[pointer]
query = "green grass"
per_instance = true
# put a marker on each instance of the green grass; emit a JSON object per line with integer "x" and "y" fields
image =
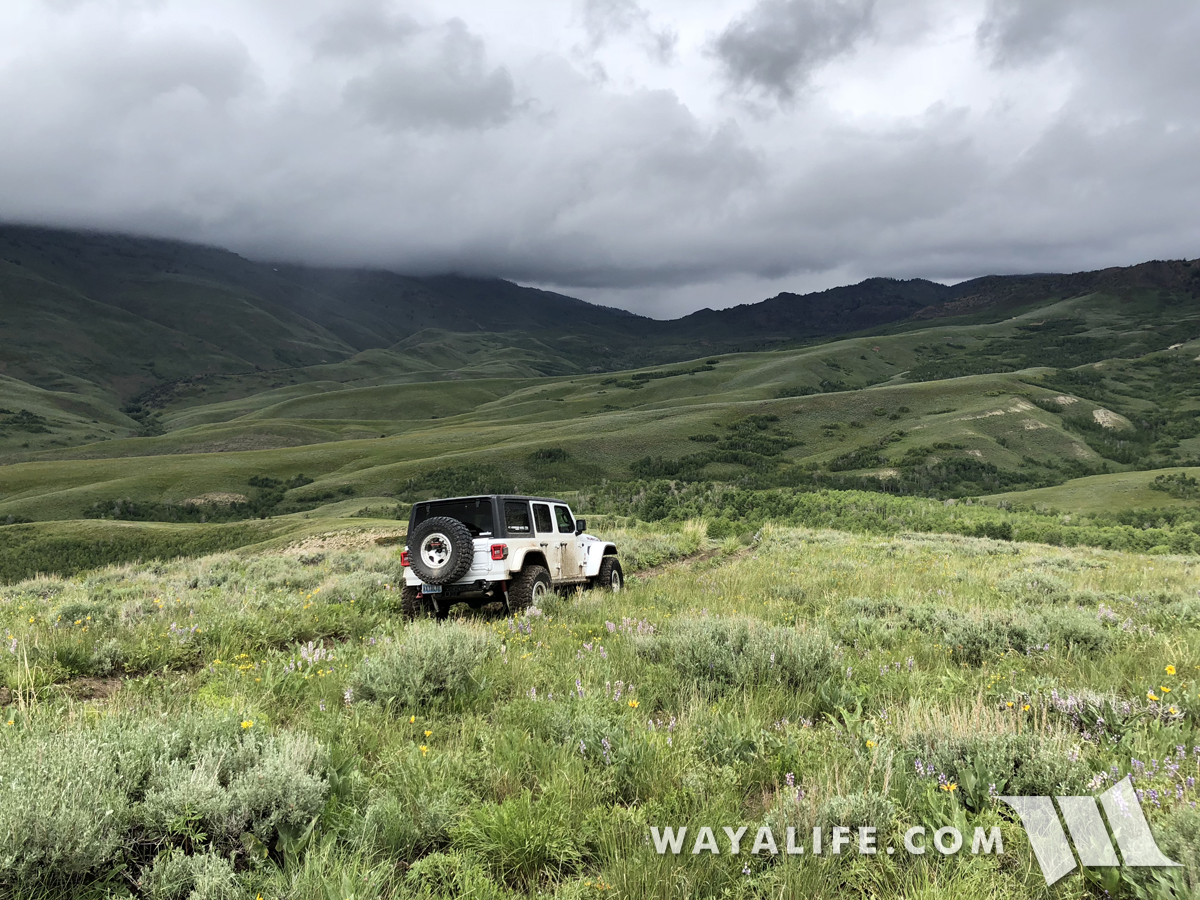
{"x": 837, "y": 661}
{"x": 1102, "y": 494}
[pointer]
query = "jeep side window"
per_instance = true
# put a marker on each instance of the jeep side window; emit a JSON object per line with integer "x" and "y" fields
{"x": 565, "y": 524}
{"x": 541, "y": 518}
{"x": 516, "y": 517}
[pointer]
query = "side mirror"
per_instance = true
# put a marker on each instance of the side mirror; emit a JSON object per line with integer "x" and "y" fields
{"x": 580, "y": 526}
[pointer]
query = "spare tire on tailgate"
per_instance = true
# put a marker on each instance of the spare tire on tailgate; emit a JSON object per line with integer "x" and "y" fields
{"x": 441, "y": 550}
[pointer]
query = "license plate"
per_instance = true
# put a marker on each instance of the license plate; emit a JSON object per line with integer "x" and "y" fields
{"x": 431, "y": 589}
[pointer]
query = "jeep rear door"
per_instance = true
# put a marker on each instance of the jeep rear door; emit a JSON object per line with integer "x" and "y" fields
{"x": 569, "y": 542}
{"x": 548, "y": 539}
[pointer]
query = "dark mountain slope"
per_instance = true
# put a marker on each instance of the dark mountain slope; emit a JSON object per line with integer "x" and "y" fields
{"x": 1176, "y": 278}
{"x": 787, "y": 316}
{"x": 135, "y": 316}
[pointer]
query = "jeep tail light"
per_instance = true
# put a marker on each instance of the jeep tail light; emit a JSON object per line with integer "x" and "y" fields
{"x": 404, "y": 560}
{"x": 499, "y": 551}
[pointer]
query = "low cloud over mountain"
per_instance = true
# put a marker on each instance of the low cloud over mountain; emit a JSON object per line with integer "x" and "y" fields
{"x": 661, "y": 156}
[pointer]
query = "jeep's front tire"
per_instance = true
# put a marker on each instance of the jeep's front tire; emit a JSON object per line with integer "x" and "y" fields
{"x": 442, "y": 550}
{"x": 529, "y": 587}
{"x": 610, "y": 578}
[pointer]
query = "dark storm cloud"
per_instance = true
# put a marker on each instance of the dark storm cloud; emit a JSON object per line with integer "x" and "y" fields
{"x": 776, "y": 45}
{"x": 935, "y": 138}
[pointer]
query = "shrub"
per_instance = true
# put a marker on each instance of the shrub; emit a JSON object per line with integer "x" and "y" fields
{"x": 858, "y": 810}
{"x": 1035, "y": 587}
{"x": 203, "y": 876}
{"x": 79, "y": 798}
{"x": 1079, "y": 630}
{"x": 929, "y": 619}
{"x": 228, "y": 787}
{"x": 735, "y": 652}
{"x": 975, "y": 639}
{"x": 432, "y": 664}
{"x": 65, "y": 809}
{"x": 83, "y": 612}
{"x": 549, "y": 455}
{"x": 997, "y": 530}
{"x": 1025, "y": 764}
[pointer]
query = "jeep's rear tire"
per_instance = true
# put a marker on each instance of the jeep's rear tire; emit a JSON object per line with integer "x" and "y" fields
{"x": 441, "y": 550}
{"x": 412, "y": 606}
{"x": 610, "y": 577}
{"x": 530, "y": 586}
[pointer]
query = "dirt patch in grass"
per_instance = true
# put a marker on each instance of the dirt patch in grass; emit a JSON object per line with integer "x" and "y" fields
{"x": 341, "y": 540}
{"x": 216, "y": 498}
{"x": 1109, "y": 419}
{"x": 88, "y": 688}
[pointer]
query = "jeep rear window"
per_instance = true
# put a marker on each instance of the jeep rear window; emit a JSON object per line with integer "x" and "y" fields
{"x": 475, "y": 514}
{"x": 516, "y": 517}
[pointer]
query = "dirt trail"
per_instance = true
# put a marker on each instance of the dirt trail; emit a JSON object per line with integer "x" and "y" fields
{"x": 691, "y": 559}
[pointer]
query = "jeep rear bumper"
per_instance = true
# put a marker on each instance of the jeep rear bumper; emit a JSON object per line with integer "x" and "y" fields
{"x": 480, "y": 588}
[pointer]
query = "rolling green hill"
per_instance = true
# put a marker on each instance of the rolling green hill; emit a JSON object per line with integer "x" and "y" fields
{"x": 165, "y": 375}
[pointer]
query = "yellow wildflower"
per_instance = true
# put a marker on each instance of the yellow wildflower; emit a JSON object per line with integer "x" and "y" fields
{"x": 247, "y": 723}
{"x": 1150, "y": 695}
{"x": 1170, "y": 670}
{"x": 870, "y": 745}
{"x": 424, "y": 750}
{"x": 428, "y": 733}
{"x": 633, "y": 704}
{"x": 1165, "y": 690}
{"x": 412, "y": 720}
{"x": 952, "y": 786}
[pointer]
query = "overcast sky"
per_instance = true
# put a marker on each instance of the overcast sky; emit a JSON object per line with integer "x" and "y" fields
{"x": 660, "y": 155}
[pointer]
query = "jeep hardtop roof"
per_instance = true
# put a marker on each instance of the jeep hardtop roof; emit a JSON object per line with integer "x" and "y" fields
{"x": 492, "y": 497}
{"x": 494, "y": 523}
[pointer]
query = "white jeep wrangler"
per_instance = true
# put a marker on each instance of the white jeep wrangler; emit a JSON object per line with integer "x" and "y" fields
{"x": 502, "y": 548}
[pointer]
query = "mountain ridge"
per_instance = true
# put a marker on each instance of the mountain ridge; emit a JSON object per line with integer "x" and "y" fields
{"x": 128, "y": 316}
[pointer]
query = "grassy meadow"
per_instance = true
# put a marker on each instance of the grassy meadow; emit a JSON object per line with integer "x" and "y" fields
{"x": 878, "y": 579}
{"x": 262, "y": 723}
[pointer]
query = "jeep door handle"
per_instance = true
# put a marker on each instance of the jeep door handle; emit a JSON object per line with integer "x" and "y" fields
{"x": 544, "y": 544}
